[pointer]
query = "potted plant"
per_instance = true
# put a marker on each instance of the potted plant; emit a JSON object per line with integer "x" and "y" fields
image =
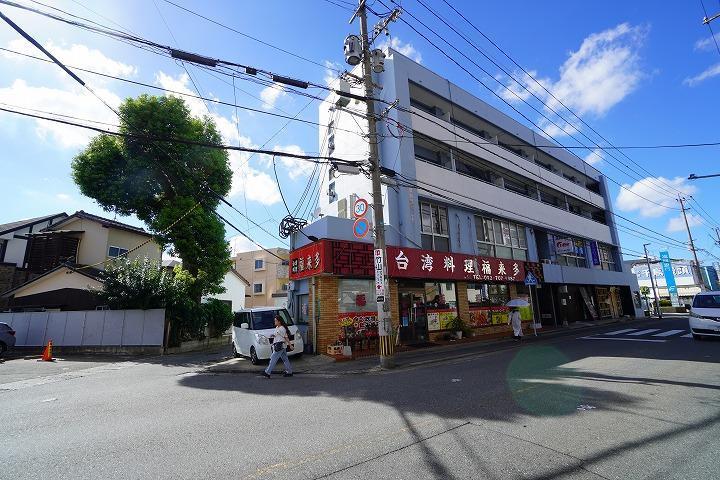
{"x": 458, "y": 325}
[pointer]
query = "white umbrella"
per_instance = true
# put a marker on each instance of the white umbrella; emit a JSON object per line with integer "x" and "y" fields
{"x": 517, "y": 302}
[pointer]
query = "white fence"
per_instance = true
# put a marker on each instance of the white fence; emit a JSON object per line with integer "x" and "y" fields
{"x": 88, "y": 328}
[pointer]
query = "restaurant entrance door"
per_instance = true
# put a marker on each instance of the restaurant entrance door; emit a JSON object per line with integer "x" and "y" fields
{"x": 413, "y": 315}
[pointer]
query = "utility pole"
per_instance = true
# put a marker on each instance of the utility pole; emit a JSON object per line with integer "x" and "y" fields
{"x": 652, "y": 281}
{"x": 692, "y": 244}
{"x": 385, "y": 330}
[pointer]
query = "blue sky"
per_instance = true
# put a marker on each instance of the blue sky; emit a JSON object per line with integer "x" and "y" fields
{"x": 638, "y": 74}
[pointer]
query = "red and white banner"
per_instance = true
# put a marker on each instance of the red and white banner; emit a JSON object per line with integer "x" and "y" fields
{"x": 429, "y": 264}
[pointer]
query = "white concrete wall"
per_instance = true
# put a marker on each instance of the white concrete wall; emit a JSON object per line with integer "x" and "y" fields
{"x": 234, "y": 292}
{"x": 88, "y": 328}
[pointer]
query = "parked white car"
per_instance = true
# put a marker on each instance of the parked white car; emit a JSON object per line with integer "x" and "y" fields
{"x": 705, "y": 315}
{"x": 253, "y": 328}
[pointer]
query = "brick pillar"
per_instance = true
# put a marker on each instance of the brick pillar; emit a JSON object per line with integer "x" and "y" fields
{"x": 326, "y": 301}
{"x": 462, "y": 301}
{"x": 394, "y": 303}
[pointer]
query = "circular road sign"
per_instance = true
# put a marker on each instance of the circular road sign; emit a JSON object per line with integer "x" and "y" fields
{"x": 361, "y": 227}
{"x": 360, "y": 207}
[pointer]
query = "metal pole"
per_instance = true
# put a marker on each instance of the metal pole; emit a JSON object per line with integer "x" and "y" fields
{"x": 532, "y": 307}
{"x": 692, "y": 244}
{"x": 387, "y": 346}
{"x": 652, "y": 281}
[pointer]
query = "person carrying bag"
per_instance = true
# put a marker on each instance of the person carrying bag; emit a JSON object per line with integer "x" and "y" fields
{"x": 280, "y": 346}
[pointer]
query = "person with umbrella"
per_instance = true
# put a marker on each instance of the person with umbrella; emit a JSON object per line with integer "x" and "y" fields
{"x": 514, "y": 317}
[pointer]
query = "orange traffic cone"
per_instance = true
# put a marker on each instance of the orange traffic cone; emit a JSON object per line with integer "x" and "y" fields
{"x": 47, "y": 352}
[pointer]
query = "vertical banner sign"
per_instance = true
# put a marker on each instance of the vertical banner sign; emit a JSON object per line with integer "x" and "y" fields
{"x": 379, "y": 277}
{"x": 594, "y": 252}
{"x": 669, "y": 277}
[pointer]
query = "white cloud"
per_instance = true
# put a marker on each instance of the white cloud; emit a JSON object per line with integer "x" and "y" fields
{"x": 707, "y": 43}
{"x": 331, "y": 74}
{"x": 600, "y": 74}
{"x": 75, "y": 101}
{"x": 710, "y": 72}
{"x": 270, "y": 95}
{"x": 296, "y": 167}
{"x": 241, "y": 244}
{"x": 406, "y": 49}
{"x": 257, "y": 185}
{"x": 76, "y": 55}
{"x": 63, "y": 197}
{"x": 594, "y": 157}
{"x": 677, "y": 224}
{"x": 652, "y": 189}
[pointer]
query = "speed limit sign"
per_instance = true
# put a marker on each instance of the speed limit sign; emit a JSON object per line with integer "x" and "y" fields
{"x": 360, "y": 207}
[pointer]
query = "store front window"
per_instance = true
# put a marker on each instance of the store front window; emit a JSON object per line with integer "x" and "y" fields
{"x": 425, "y": 307}
{"x": 487, "y": 303}
{"x": 357, "y": 314}
{"x": 607, "y": 259}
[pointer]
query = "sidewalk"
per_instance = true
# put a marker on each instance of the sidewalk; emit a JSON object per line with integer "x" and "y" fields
{"x": 324, "y": 365}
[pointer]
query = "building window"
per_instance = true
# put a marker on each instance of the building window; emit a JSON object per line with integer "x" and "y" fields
{"x": 576, "y": 258}
{"x": 432, "y": 151}
{"x": 607, "y": 258}
{"x": 114, "y": 252}
{"x": 434, "y": 220}
{"x": 258, "y": 288}
{"x": 356, "y": 295}
{"x": 500, "y": 238}
{"x": 259, "y": 264}
{"x": 284, "y": 287}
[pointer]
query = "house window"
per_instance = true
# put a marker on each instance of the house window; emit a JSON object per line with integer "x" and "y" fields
{"x": 607, "y": 258}
{"x": 500, "y": 238}
{"x": 258, "y": 288}
{"x": 259, "y": 264}
{"x": 434, "y": 222}
{"x": 114, "y": 252}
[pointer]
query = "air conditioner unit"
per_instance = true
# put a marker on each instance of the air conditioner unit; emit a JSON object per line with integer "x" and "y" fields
{"x": 546, "y": 261}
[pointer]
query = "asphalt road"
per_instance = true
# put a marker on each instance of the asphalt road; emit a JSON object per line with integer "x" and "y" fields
{"x": 623, "y": 403}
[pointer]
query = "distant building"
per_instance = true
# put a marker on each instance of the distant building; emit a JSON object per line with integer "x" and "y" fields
{"x": 687, "y": 281}
{"x": 267, "y": 275}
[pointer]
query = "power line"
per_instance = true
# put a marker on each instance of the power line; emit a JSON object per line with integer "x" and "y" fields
{"x": 520, "y": 113}
{"x": 176, "y": 92}
{"x": 544, "y": 88}
{"x": 280, "y": 49}
{"x": 496, "y": 94}
{"x": 712, "y": 33}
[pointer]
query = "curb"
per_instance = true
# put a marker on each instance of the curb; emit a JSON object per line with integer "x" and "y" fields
{"x": 504, "y": 344}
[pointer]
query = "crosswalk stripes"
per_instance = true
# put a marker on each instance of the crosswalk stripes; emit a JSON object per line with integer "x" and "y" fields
{"x": 644, "y": 332}
{"x": 618, "y": 332}
{"x": 635, "y": 334}
{"x": 669, "y": 333}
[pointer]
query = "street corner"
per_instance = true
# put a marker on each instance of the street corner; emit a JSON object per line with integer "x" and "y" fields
{"x": 17, "y": 366}
{"x": 306, "y": 364}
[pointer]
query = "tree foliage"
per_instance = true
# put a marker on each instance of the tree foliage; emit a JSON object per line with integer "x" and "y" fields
{"x": 218, "y": 315}
{"x": 159, "y": 181}
{"x": 144, "y": 284}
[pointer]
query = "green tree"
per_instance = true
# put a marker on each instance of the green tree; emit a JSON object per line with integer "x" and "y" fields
{"x": 159, "y": 181}
{"x": 645, "y": 291}
{"x": 143, "y": 284}
{"x": 218, "y": 315}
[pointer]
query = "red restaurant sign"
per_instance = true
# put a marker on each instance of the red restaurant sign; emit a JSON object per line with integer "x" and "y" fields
{"x": 429, "y": 264}
{"x": 310, "y": 260}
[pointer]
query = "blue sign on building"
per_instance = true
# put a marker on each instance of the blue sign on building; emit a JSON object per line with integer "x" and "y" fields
{"x": 669, "y": 277}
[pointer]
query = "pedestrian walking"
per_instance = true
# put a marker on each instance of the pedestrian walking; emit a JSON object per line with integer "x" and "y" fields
{"x": 516, "y": 322}
{"x": 280, "y": 345}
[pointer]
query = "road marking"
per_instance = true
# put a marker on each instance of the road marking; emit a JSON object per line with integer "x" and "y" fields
{"x": 624, "y": 339}
{"x": 644, "y": 332}
{"x": 618, "y": 332}
{"x": 668, "y": 333}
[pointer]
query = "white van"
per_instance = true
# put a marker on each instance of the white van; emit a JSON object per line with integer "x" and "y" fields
{"x": 252, "y": 329}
